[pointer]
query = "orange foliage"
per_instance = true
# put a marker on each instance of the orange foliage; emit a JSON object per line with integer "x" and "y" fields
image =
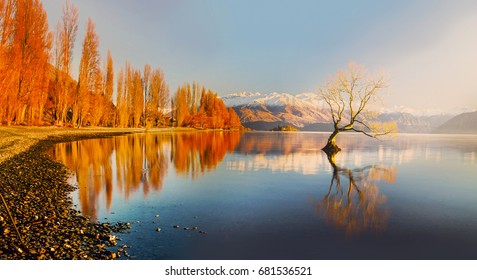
{"x": 62, "y": 87}
{"x": 141, "y": 97}
{"x": 33, "y": 91}
{"x": 136, "y": 101}
{"x": 210, "y": 113}
{"x": 157, "y": 96}
{"x": 89, "y": 77}
{"x": 121, "y": 103}
{"x": 107, "y": 118}
{"x": 24, "y": 51}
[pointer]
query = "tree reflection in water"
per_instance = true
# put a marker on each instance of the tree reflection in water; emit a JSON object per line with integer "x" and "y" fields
{"x": 139, "y": 162}
{"x": 354, "y": 202}
{"x": 195, "y": 153}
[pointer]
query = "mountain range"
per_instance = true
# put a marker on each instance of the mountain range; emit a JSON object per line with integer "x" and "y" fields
{"x": 462, "y": 123}
{"x": 308, "y": 112}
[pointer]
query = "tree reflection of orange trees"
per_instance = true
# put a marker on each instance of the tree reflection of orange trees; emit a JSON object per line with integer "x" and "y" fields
{"x": 156, "y": 163}
{"x": 139, "y": 161}
{"x": 358, "y": 206}
{"x": 89, "y": 160}
{"x": 195, "y": 153}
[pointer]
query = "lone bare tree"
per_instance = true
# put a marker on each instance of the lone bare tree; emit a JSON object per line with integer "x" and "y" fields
{"x": 348, "y": 96}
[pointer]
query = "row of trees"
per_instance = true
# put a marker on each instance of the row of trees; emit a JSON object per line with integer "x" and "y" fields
{"x": 143, "y": 98}
{"x": 25, "y": 42}
{"x": 199, "y": 107}
{"x": 36, "y": 85}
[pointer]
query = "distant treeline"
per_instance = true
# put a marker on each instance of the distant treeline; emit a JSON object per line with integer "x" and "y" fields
{"x": 285, "y": 128}
{"x": 37, "y": 88}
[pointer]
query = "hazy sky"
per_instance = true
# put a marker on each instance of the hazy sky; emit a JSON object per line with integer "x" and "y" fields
{"x": 428, "y": 48}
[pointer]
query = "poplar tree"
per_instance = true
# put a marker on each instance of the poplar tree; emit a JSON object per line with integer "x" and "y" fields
{"x": 7, "y": 74}
{"x": 25, "y": 44}
{"x": 67, "y": 30}
{"x": 108, "y": 114}
{"x": 88, "y": 75}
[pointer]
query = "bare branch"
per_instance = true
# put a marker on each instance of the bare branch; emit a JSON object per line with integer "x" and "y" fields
{"x": 375, "y": 135}
{"x": 362, "y": 123}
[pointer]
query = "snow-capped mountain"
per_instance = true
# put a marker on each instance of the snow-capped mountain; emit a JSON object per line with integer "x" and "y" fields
{"x": 308, "y": 111}
{"x": 240, "y": 99}
{"x": 273, "y": 99}
{"x": 297, "y": 110}
{"x": 313, "y": 99}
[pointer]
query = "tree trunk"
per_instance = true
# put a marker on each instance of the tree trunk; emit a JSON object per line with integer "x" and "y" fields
{"x": 331, "y": 146}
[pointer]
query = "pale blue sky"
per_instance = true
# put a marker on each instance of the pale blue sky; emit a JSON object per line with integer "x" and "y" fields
{"x": 428, "y": 48}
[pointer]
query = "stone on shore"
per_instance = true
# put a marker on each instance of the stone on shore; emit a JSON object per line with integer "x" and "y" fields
{"x": 36, "y": 193}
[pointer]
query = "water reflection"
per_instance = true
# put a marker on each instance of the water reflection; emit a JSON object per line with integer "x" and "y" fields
{"x": 195, "y": 153}
{"x": 139, "y": 162}
{"x": 280, "y": 196}
{"x": 354, "y": 202}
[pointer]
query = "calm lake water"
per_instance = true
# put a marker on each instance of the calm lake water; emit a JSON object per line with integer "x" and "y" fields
{"x": 277, "y": 195}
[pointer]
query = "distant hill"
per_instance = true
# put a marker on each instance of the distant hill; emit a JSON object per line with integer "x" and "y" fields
{"x": 308, "y": 112}
{"x": 465, "y": 123}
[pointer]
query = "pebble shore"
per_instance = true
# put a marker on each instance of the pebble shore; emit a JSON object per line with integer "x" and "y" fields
{"x": 39, "y": 220}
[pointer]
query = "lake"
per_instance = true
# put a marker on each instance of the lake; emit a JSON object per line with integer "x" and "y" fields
{"x": 275, "y": 195}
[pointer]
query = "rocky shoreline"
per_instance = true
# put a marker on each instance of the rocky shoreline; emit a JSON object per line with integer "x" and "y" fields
{"x": 35, "y": 190}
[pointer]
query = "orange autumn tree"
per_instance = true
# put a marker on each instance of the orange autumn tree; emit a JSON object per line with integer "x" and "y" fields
{"x": 136, "y": 97}
{"x": 32, "y": 43}
{"x": 156, "y": 92}
{"x": 207, "y": 111}
{"x": 64, "y": 86}
{"x": 107, "y": 99}
{"x": 96, "y": 108}
{"x": 141, "y": 97}
{"x": 93, "y": 102}
{"x": 101, "y": 107}
{"x": 88, "y": 75}
{"x": 7, "y": 15}
{"x": 130, "y": 97}
{"x": 24, "y": 51}
{"x": 181, "y": 108}
{"x": 35, "y": 92}
{"x": 121, "y": 102}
